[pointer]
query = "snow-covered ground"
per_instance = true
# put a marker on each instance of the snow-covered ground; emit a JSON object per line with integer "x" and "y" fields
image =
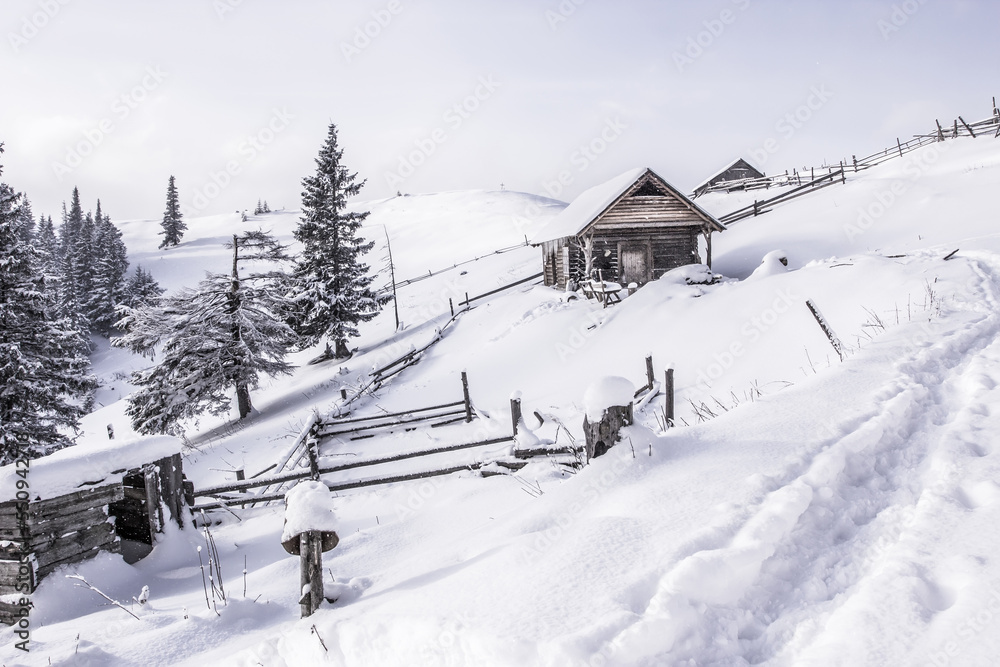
{"x": 806, "y": 511}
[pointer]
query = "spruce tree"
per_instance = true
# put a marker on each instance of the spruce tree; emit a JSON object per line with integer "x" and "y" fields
{"x": 110, "y": 268}
{"x": 331, "y": 282}
{"x": 217, "y": 338}
{"x": 141, "y": 290}
{"x": 173, "y": 226}
{"x": 45, "y": 380}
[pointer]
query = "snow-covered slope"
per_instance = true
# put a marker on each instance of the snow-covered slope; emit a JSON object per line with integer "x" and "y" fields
{"x": 830, "y": 513}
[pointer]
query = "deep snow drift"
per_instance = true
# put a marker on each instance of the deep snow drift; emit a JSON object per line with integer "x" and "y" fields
{"x": 806, "y": 510}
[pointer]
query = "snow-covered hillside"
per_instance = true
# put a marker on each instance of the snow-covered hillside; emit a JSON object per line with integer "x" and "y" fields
{"x": 807, "y": 510}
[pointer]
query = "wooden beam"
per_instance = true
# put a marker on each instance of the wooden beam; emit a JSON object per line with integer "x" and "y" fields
{"x": 967, "y": 127}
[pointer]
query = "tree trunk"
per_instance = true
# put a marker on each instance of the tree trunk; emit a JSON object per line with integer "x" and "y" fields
{"x": 243, "y": 399}
{"x": 342, "y": 351}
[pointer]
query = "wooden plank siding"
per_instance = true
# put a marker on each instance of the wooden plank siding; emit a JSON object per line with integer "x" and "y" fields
{"x": 656, "y": 227}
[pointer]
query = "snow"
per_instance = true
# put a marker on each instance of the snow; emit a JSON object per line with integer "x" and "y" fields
{"x": 607, "y": 392}
{"x": 774, "y": 262}
{"x": 89, "y": 464}
{"x": 308, "y": 507}
{"x": 829, "y": 513}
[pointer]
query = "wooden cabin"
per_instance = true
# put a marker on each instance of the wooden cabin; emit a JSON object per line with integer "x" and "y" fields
{"x": 638, "y": 225}
{"x": 735, "y": 171}
{"x": 83, "y": 500}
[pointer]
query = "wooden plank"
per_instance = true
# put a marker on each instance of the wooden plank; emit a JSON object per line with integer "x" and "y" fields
{"x": 967, "y": 127}
{"x": 66, "y": 547}
{"x": 76, "y": 501}
{"x": 48, "y": 530}
{"x": 11, "y": 578}
{"x": 415, "y": 420}
{"x": 339, "y": 422}
{"x": 10, "y": 614}
{"x": 111, "y": 547}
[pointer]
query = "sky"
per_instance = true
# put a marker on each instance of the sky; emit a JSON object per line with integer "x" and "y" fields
{"x": 234, "y": 97}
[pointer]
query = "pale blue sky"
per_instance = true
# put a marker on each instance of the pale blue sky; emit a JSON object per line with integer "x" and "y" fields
{"x": 534, "y": 82}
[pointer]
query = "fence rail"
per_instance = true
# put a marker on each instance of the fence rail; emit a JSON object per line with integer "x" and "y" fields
{"x": 813, "y": 183}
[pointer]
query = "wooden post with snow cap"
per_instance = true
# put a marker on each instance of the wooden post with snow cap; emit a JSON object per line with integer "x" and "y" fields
{"x": 515, "y": 410}
{"x": 608, "y": 407}
{"x": 308, "y": 532}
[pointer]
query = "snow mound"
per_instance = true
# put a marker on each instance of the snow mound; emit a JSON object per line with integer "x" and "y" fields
{"x": 691, "y": 274}
{"x": 774, "y": 263}
{"x": 606, "y": 392}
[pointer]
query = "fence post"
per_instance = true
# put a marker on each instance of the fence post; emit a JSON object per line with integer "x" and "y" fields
{"x": 940, "y": 131}
{"x": 451, "y": 306}
{"x": 855, "y": 158}
{"x": 668, "y": 404}
{"x": 310, "y": 571}
{"x": 465, "y": 393}
{"x": 312, "y": 447}
{"x": 515, "y": 410}
{"x": 649, "y": 371}
{"x": 899, "y": 146}
{"x": 343, "y": 393}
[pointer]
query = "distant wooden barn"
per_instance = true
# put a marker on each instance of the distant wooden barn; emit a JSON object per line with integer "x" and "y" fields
{"x": 640, "y": 227}
{"x": 736, "y": 171}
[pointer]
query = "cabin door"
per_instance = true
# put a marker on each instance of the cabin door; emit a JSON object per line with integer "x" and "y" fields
{"x": 634, "y": 263}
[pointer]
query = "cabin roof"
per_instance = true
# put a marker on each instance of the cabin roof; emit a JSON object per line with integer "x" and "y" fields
{"x": 719, "y": 172}
{"x": 593, "y": 203}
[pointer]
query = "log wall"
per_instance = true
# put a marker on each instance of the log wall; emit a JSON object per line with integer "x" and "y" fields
{"x": 57, "y": 531}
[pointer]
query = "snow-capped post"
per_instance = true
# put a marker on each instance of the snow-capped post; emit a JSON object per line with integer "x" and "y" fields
{"x": 608, "y": 407}
{"x": 515, "y": 410}
{"x": 465, "y": 393}
{"x": 309, "y": 531}
{"x": 668, "y": 390}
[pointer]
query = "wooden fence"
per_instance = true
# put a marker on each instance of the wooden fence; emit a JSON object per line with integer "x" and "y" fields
{"x": 803, "y": 185}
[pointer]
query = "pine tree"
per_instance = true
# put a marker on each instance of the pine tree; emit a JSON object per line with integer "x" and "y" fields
{"x": 44, "y": 380}
{"x": 216, "y": 338}
{"x": 266, "y": 209}
{"x": 27, "y": 220}
{"x": 259, "y": 209}
{"x": 141, "y": 290}
{"x": 109, "y": 273}
{"x": 74, "y": 271}
{"x": 331, "y": 283}
{"x": 173, "y": 226}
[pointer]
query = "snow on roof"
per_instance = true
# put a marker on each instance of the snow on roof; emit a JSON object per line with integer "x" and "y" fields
{"x": 590, "y": 204}
{"x": 85, "y": 466}
{"x": 606, "y": 392}
{"x": 593, "y": 202}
